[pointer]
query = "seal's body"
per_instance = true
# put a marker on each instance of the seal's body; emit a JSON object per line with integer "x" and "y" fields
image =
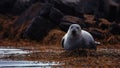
{"x": 77, "y": 38}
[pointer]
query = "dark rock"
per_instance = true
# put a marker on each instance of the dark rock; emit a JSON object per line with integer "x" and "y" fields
{"x": 27, "y": 16}
{"x": 104, "y": 24}
{"x": 87, "y": 6}
{"x": 55, "y": 16}
{"x": 51, "y": 13}
{"x": 109, "y": 9}
{"x": 38, "y": 28}
{"x": 68, "y": 20}
{"x": 115, "y": 28}
{"x": 114, "y": 10}
{"x": 97, "y": 34}
{"x": 67, "y": 7}
{"x": 64, "y": 26}
{"x": 22, "y": 22}
{"x": 76, "y": 7}
{"x": 41, "y": 1}
{"x": 36, "y": 9}
{"x": 45, "y": 10}
{"x": 20, "y": 6}
{"x": 16, "y": 6}
{"x": 6, "y": 6}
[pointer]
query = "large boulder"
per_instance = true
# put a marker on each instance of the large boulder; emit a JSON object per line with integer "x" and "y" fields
{"x": 38, "y": 28}
{"x": 67, "y": 20}
{"x": 48, "y": 16}
{"x": 51, "y": 13}
{"x": 109, "y": 9}
{"x": 21, "y": 23}
{"x": 28, "y": 15}
{"x": 45, "y": 10}
{"x": 55, "y": 16}
{"x": 67, "y": 6}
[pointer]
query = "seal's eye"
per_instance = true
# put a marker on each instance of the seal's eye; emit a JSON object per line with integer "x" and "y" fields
{"x": 77, "y": 27}
{"x": 71, "y": 27}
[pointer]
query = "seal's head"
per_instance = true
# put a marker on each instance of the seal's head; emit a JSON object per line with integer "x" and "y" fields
{"x": 74, "y": 30}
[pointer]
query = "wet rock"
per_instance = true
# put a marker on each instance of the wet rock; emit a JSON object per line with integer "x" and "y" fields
{"x": 68, "y": 20}
{"x": 38, "y": 28}
{"x": 115, "y": 28}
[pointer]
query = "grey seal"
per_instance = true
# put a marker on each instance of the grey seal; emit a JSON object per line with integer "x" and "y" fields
{"x": 77, "y": 38}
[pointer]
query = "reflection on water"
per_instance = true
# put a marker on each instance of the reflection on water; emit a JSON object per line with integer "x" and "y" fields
{"x": 7, "y": 51}
{"x": 12, "y": 51}
{"x": 28, "y": 64}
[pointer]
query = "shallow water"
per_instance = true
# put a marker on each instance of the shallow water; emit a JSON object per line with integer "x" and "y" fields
{"x": 11, "y": 51}
{"x": 28, "y": 64}
{"x": 47, "y": 57}
{"x": 6, "y": 52}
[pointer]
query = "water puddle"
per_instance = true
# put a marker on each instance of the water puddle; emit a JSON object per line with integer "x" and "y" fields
{"x": 28, "y": 64}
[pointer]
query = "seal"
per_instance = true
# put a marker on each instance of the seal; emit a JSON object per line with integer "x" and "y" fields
{"x": 77, "y": 38}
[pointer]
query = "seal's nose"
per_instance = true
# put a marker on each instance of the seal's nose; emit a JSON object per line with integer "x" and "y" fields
{"x": 73, "y": 32}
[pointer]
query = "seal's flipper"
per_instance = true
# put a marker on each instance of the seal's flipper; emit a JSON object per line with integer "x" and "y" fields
{"x": 97, "y": 43}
